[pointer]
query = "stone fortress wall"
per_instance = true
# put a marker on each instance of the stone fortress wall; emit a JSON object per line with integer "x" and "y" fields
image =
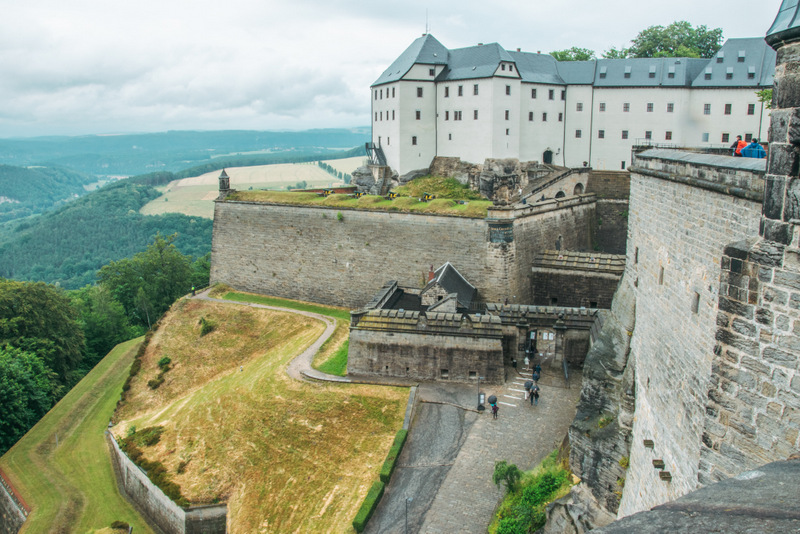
{"x": 308, "y": 253}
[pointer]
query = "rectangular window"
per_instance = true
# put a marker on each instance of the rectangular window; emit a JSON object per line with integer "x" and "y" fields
{"x": 622, "y": 165}
{"x": 729, "y": 73}
{"x": 432, "y": 72}
{"x": 508, "y": 132}
{"x": 388, "y": 140}
{"x": 578, "y": 134}
{"x": 533, "y": 93}
{"x": 726, "y": 137}
{"x": 381, "y": 93}
{"x": 579, "y": 106}
{"x": 551, "y": 94}
{"x": 648, "y": 134}
{"x": 457, "y": 115}
{"x": 475, "y": 89}
{"x": 447, "y": 92}
{"x": 751, "y": 72}
{"x": 708, "y": 73}
{"x": 380, "y": 114}
{"x": 652, "y": 73}
{"x": 626, "y": 107}
{"x": 475, "y": 114}
{"x": 602, "y": 106}
{"x": 649, "y": 107}
{"x": 624, "y": 134}
{"x": 706, "y": 109}
{"x": 418, "y": 114}
{"x": 671, "y": 71}
{"x": 705, "y": 138}
{"x": 508, "y": 89}
{"x": 695, "y": 302}
{"x": 560, "y": 117}
{"x": 544, "y": 117}
{"x": 670, "y": 107}
{"x": 668, "y": 136}
{"x": 449, "y": 137}
{"x": 751, "y": 109}
{"x": 447, "y": 115}
{"x": 603, "y": 71}
{"x": 530, "y": 115}
{"x": 740, "y": 59}
{"x": 460, "y": 90}
{"x": 419, "y": 92}
{"x": 563, "y": 94}
{"x": 376, "y": 94}
{"x": 376, "y": 116}
{"x": 748, "y": 137}
{"x": 720, "y": 56}
{"x": 392, "y": 92}
{"x": 414, "y": 140}
{"x": 727, "y": 109}
{"x": 392, "y": 114}
{"x": 627, "y": 72}
{"x": 601, "y": 134}
{"x": 507, "y": 114}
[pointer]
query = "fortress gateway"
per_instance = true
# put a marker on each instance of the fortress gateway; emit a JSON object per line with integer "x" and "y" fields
{"x": 485, "y": 102}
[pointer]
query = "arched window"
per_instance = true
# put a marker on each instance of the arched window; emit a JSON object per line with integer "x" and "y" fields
{"x": 578, "y": 189}
{"x": 560, "y": 194}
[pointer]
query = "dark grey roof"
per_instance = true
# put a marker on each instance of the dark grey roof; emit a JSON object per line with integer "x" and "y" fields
{"x": 758, "y": 58}
{"x": 786, "y": 26}
{"x": 425, "y": 50}
{"x": 537, "y": 68}
{"x": 576, "y": 72}
{"x": 480, "y": 61}
{"x": 451, "y": 280}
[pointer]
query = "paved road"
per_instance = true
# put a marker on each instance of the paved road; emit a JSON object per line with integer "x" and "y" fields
{"x": 447, "y": 464}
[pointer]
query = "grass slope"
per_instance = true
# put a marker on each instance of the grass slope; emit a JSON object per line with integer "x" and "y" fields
{"x": 72, "y": 488}
{"x": 287, "y": 456}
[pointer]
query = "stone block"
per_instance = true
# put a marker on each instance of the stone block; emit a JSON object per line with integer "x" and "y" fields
{"x": 755, "y": 365}
{"x": 777, "y": 231}
{"x": 779, "y": 125}
{"x": 774, "y": 193}
{"x": 740, "y": 343}
{"x": 780, "y": 357}
{"x": 765, "y": 274}
{"x": 791, "y": 203}
{"x": 775, "y": 409}
{"x": 773, "y": 296}
{"x": 763, "y": 316}
{"x": 783, "y": 323}
{"x": 795, "y": 383}
{"x": 780, "y": 378}
{"x": 736, "y": 308}
{"x": 744, "y": 328}
{"x": 781, "y": 159}
{"x": 723, "y": 320}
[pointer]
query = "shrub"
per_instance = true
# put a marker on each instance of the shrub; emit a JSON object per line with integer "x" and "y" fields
{"x": 206, "y": 326}
{"x": 507, "y": 473}
{"x": 624, "y": 462}
{"x": 182, "y": 466}
{"x": 368, "y": 506}
{"x": 156, "y": 471}
{"x": 604, "y": 421}
{"x": 120, "y": 525}
{"x": 339, "y": 216}
{"x": 165, "y": 361}
{"x": 391, "y": 457}
{"x": 156, "y": 382}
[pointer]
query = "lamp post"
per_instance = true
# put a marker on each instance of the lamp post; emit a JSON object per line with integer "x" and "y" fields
{"x": 481, "y": 407}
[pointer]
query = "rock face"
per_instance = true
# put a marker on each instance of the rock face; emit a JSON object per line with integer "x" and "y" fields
{"x": 601, "y": 432}
{"x": 374, "y": 180}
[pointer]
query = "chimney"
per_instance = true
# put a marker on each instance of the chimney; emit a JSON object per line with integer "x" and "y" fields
{"x": 431, "y": 274}
{"x": 480, "y": 44}
{"x": 538, "y": 51}
{"x": 519, "y": 50}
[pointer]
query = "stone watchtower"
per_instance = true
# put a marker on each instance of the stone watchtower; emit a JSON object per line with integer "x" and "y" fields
{"x": 224, "y": 185}
{"x": 752, "y": 405}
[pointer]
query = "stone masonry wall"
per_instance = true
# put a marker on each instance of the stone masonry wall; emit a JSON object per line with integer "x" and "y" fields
{"x": 613, "y": 190}
{"x": 307, "y": 253}
{"x": 677, "y": 231}
{"x": 420, "y": 356}
{"x": 11, "y": 515}
{"x": 572, "y": 288}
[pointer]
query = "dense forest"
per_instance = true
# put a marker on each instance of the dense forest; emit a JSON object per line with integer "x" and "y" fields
{"x": 128, "y": 155}
{"x": 51, "y": 338}
{"x": 28, "y": 191}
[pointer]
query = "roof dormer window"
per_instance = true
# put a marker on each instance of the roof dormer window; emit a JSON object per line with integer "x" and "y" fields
{"x": 708, "y": 73}
{"x": 511, "y": 68}
{"x": 603, "y": 71}
{"x": 671, "y": 71}
{"x": 741, "y": 56}
{"x": 652, "y": 73}
{"x": 720, "y": 56}
{"x": 729, "y": 73}
{"x": 502, "y": 66}
{"x": 751, "y": 72}
{"x": 628, "y": 71}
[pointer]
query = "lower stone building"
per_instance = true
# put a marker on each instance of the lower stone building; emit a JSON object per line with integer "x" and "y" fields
{"x": 576, "y": 279}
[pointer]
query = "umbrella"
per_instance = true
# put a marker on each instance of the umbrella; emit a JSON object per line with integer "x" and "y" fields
{"x": 492, "y": 399}
{"x": 528, "y": 384}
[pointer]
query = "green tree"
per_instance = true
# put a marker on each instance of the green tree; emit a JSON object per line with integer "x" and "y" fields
{"x": 616, "y": 53}
{"x": 679, "y": 39}
{"x": 507, "y": 473}
{"x": 149, "y": 282}
{"x": 573, "y": 54}
{"x": 38, "y": 318}
{"x": 765, "y": 97}
{"x": 103, "y": 321}
{"x": 27, "y": 390}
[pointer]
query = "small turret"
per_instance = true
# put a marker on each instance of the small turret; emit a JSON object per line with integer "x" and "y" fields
{"x": 224, "y": 185}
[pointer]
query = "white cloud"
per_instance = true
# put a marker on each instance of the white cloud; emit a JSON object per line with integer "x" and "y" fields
{"x": 88, "y": 66}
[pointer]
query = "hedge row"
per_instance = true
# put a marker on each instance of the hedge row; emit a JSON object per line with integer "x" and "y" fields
{"x": 394, "y": 453}
{"x": 368, "y": 506}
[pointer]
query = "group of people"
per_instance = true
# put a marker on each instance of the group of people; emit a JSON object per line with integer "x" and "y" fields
{"x": 531, "y": 390}
{"x": 741, "y": 149}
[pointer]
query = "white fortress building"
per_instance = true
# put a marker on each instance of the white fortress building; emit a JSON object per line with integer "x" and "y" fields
{"x": 486, "y": 102}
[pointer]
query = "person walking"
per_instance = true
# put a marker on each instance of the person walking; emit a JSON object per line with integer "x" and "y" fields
{"x": 535, "y": 395}
{"x": 494, "y": 411}
{"x": 737, "y": 146}
{"x": 535, "y": 377}
{"x": 754, "y": 150}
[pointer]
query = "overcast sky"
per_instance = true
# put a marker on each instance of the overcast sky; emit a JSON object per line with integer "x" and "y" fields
{"x": 91, "y": 66}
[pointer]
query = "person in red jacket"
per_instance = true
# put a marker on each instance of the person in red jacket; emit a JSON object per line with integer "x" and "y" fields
{"x": 737, "y": 146}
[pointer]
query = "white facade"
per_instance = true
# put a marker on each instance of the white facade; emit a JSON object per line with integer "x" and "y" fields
{"x": 484, "y": 102}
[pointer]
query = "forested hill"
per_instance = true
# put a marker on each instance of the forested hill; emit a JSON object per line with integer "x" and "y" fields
{"x": 128, "y": 155}
{"x": 27, "y": 191}
{"x": 68, "y": 245}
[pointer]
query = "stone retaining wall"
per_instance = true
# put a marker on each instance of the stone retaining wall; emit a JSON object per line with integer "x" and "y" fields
{"x": 13, "y": 512}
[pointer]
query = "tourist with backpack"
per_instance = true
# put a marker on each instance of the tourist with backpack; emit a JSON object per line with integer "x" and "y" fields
{"x": 535, "y": 395}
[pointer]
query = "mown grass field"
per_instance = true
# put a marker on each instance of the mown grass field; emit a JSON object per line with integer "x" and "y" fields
{"x": 287, "y": 456}
{"x": 195, "y": 196}
{"x": 71, "y": 488}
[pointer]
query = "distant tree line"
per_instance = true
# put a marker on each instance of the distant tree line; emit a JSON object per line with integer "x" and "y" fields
{"x": 679, "y": 39}
{"x": 51, "y": 338}
{"x": 343, "y": 176}
{"x": 25, "y": 192}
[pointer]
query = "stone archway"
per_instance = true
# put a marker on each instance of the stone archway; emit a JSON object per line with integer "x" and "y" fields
{"x": 578, "y": 189}
{"x": 560, "y": 194}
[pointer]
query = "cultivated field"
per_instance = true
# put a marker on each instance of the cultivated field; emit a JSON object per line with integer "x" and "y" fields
{"x": 195, "y": 196}
{"x": 71, "y": 487}
{"x": 287, "y": 456}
